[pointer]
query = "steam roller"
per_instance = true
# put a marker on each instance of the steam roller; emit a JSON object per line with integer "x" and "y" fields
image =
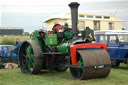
{"x": 64, "y": 48}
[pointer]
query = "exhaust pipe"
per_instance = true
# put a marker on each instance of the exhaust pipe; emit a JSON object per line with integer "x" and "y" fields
{"x": 74, "y": 16}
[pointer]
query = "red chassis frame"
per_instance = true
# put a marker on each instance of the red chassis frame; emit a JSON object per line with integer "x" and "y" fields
{"x": 73, "y": 49}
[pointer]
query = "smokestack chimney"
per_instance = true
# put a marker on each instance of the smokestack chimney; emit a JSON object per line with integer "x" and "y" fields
{"x": 74, "y": 13}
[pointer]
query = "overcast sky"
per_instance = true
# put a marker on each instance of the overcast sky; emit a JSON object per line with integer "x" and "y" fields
{"x": 30, "y": 14}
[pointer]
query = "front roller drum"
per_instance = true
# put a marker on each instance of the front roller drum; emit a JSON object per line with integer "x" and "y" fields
{"x": 94, "y": 64}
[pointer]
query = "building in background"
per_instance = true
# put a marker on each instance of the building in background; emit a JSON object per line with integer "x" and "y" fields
{"x": 11, "y": 31}
{"x": 95, "y": 22}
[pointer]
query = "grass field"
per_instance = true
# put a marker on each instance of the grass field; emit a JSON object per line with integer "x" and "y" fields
{"x": 12, "y": 39}
{"x": 118, "y": 76}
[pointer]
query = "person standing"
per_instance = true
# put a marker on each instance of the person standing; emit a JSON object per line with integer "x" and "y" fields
{"x": 18, "y": 44}
{"x": 4, "y": 52}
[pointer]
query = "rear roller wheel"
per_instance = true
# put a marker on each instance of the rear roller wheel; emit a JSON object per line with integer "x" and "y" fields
{"x": 96, "y": 64}
{"x": 30, "y": 59}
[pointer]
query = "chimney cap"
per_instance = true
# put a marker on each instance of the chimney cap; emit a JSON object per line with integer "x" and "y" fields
{"x": 74, "y": 4}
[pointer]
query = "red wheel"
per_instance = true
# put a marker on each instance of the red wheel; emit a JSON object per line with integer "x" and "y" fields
{"x": 57, "y": 27}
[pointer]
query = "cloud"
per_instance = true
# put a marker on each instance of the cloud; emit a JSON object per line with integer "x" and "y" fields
{"x": 30, "y": 6}
{"x": 40, "y": 6}
{"x": 30, "y": 13}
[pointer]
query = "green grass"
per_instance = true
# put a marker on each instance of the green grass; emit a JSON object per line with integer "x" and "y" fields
{"x": 11, "y": 40}
{"x": 118, "y": 76}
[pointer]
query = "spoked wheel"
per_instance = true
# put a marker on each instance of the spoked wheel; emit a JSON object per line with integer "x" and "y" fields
{"x": 77, "y": 72}
{"x": 94, "y": 64}
{"x": 30, "y": 59}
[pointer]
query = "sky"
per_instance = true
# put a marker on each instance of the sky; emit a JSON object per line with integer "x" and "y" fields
{"x": 30, "y": 14}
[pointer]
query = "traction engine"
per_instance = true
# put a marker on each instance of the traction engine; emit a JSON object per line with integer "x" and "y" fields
{"x": 63, "y": 48}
